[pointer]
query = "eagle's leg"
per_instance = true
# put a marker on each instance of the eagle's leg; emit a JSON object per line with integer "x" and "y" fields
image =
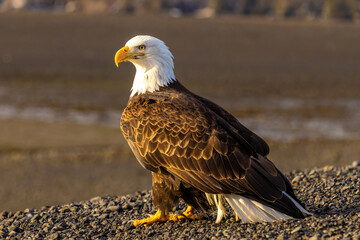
{"x": 164, "y": 198}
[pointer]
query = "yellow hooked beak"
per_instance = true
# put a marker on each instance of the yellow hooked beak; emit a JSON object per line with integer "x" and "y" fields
{"x": 122, "y": 55}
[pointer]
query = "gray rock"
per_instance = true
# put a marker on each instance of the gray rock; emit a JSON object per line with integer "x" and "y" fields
{"x": 296, "y": 229}
{"x": 53, "y": 236}
{"x": 280, "y": 237}
{"x": 296, "y": 179}
{"x": 315, "y": 237}
{"x": 95, "y": 199}
{"x": 103, "y": 216}
{"x": 113, "y": 208}
{"x": 355, "y": 164}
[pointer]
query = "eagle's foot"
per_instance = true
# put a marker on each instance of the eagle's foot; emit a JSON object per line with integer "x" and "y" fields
{"x": 157, "y": 217}
{"x": 189, "y": 213}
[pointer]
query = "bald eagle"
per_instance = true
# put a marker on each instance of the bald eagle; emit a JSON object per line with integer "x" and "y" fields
{"x": 196, "y": 150}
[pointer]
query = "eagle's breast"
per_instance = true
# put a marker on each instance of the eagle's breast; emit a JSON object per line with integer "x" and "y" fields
{"x": 166, "y": 110}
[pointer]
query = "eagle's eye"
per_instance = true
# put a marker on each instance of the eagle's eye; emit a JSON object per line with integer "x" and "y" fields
{"x": 141, "y": 47}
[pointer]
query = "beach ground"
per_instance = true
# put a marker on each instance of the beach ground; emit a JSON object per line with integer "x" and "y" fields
{"x": 60, "y": 93}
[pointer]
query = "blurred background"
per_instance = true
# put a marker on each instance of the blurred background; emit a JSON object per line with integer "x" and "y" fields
{"x": 287, "y": 69}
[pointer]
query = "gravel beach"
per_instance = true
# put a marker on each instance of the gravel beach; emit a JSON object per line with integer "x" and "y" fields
{"x": 332, "y": 193}
{"x": 295, "y": 83}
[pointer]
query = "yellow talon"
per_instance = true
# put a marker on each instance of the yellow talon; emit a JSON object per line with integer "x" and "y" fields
{"x": 152, "y": 219}
{"x": 176, "y": 218}
{"x": 189, "y": 213}
{"x": 157, "y": 217}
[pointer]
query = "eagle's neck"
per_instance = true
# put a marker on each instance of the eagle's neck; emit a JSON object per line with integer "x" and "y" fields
{"x": 152, "y": 75}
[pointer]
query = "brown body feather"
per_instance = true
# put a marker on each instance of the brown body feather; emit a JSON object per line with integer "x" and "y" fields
{"x": 194, "y": 147}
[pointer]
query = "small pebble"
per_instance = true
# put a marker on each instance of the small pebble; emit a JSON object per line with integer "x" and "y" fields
{"x": 296, "y": 229}
{"x": 113, "y": 208}
{"x": 355, "y": 164}
{"x": 296, "y": 179}
{"x": 315, "y": 237}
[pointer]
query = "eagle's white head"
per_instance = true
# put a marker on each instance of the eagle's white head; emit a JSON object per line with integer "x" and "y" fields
{"x": 153, "y": 62}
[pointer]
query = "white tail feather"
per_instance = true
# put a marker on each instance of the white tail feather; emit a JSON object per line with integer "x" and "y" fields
{"x": 248, "y": 210}
{"x": 239, "y": 213}
{"x": 274, "y": 215}
{"x": 251, "y": 211}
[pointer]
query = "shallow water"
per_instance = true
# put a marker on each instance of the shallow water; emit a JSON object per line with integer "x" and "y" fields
{"x": 280, "y": 119}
